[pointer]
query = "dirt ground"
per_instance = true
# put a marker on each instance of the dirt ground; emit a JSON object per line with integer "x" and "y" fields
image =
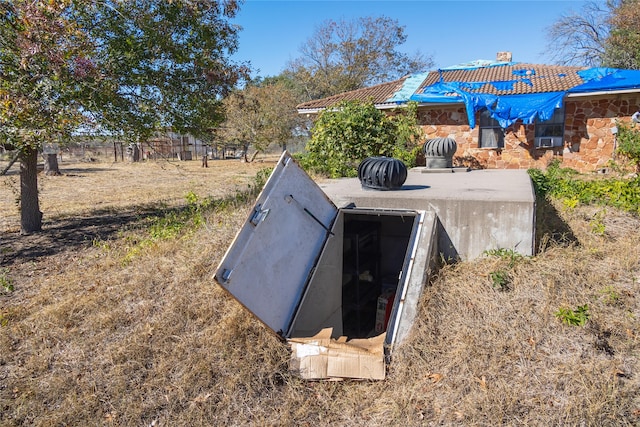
{"x": 93, "y": 200}
{"x": 86, "y": 188}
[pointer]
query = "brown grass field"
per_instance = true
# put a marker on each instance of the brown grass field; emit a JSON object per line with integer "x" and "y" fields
{"x": 107, "y": 326}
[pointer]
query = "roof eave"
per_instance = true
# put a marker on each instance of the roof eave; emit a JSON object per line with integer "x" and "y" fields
{"x": 390, "y": 106}
{"x": 309, "y": 110}
{"x": 603, "y": 92}
{"x": 383, "y": 106}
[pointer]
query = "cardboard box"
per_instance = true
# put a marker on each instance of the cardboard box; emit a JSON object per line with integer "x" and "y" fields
{"x": 322, "y": 357}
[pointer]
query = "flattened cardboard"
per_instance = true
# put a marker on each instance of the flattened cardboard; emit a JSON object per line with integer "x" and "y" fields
{"x": 321, "y": 357}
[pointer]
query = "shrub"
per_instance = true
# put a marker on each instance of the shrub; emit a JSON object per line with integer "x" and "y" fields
{"x": 629, "y": 142}
{"x": 573, "y": 188}
{"x": 351, "y": 131}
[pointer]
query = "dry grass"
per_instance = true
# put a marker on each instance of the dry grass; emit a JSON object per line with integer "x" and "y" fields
{"x": 106, "y": 187}
{"x": 88, "y": 339}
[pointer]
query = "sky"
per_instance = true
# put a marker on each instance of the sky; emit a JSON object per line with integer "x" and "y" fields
{"x": 450, "y": 32}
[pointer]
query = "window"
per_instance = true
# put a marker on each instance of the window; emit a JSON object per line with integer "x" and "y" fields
{"x": 491, "y": 134}
{"x": 550, "y": 133}
{"x": 552, "y": 127}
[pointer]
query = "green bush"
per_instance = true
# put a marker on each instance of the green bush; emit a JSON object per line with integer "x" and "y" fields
{"x": 629, "y": 142}
{"x": 348, "y": 132}
{"x": 568, "y": 185}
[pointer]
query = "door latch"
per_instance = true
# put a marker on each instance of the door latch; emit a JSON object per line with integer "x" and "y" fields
{"x": 258, "y": 215}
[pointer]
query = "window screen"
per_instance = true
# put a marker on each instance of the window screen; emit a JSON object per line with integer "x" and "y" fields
{"x": 552, "y": 127}
{"x": 491, "y": 134}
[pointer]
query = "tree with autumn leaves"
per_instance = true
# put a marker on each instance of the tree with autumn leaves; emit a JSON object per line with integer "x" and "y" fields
{"x": 114, "y": 67}
{"x": 600, "y": 34}
{"x": 261, "y": 114}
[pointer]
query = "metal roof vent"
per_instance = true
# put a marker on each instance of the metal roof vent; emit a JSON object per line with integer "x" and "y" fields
{"x": 438, "y": 152}
{"x": 382, "y": 173}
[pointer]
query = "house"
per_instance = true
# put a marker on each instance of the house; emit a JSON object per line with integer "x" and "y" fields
{"x": 510, "y": 115}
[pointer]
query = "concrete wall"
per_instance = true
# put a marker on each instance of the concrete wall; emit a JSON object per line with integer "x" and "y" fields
{"x": 476, "y": 211}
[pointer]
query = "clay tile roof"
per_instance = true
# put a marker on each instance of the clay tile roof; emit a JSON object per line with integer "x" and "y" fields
{"x": 525, "y": 78}
{"x": 378, "y": 94}
{"x": 508, "y": 79}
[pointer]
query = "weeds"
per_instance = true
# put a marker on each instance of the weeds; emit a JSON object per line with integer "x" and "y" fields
{"x": 196, "y": 207}
{"x": 509, "y": 254}
{"x": 573, "y": 189}
{"x": 597, "y": 224}
{"x": 5, "y": 281}
{"x": 577, "y": 317}
{"x": 189, "y": 218}
{"x": 611, "y": 296}
{"x": 98, "y": 243}
{"x": 501, "y": 280}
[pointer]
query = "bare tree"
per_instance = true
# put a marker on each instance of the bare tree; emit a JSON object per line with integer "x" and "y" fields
{"x": 347, "y": 55}
{"x": 579, "y": 38}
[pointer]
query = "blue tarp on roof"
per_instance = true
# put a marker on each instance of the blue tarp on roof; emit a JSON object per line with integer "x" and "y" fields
{"x": 607, "y": 79}
{"x": 439, "y": 92}
{"x": 478, "y": 63}
{"x": 507, "y": 109}
{"x": 410, "y": 85}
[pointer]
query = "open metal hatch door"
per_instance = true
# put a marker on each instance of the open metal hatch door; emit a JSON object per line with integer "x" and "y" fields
{"x": 268, "y": 264}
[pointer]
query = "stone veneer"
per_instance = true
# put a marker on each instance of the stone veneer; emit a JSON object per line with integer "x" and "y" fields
{"x": 588, "y": 140}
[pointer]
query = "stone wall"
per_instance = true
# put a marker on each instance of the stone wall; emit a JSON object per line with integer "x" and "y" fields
{"x": 588, "y": 141}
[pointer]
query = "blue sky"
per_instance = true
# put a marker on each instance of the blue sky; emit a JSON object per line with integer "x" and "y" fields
{"x": 451, "y": 32}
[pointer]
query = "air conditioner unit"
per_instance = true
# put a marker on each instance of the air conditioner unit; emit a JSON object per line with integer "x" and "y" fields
{"x": 548, "y": 141}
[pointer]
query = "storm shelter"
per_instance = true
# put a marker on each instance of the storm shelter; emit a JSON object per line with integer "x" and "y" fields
{"x": 300, "y": 264}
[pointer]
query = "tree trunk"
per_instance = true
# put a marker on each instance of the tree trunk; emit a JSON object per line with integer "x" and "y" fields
{"x": 253, "y": 156}
{"x": 246, "y": 153}
{"x": 30, "y": 215}
{"x": 135, "y": 156}
{"x": 51, "y": 165}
